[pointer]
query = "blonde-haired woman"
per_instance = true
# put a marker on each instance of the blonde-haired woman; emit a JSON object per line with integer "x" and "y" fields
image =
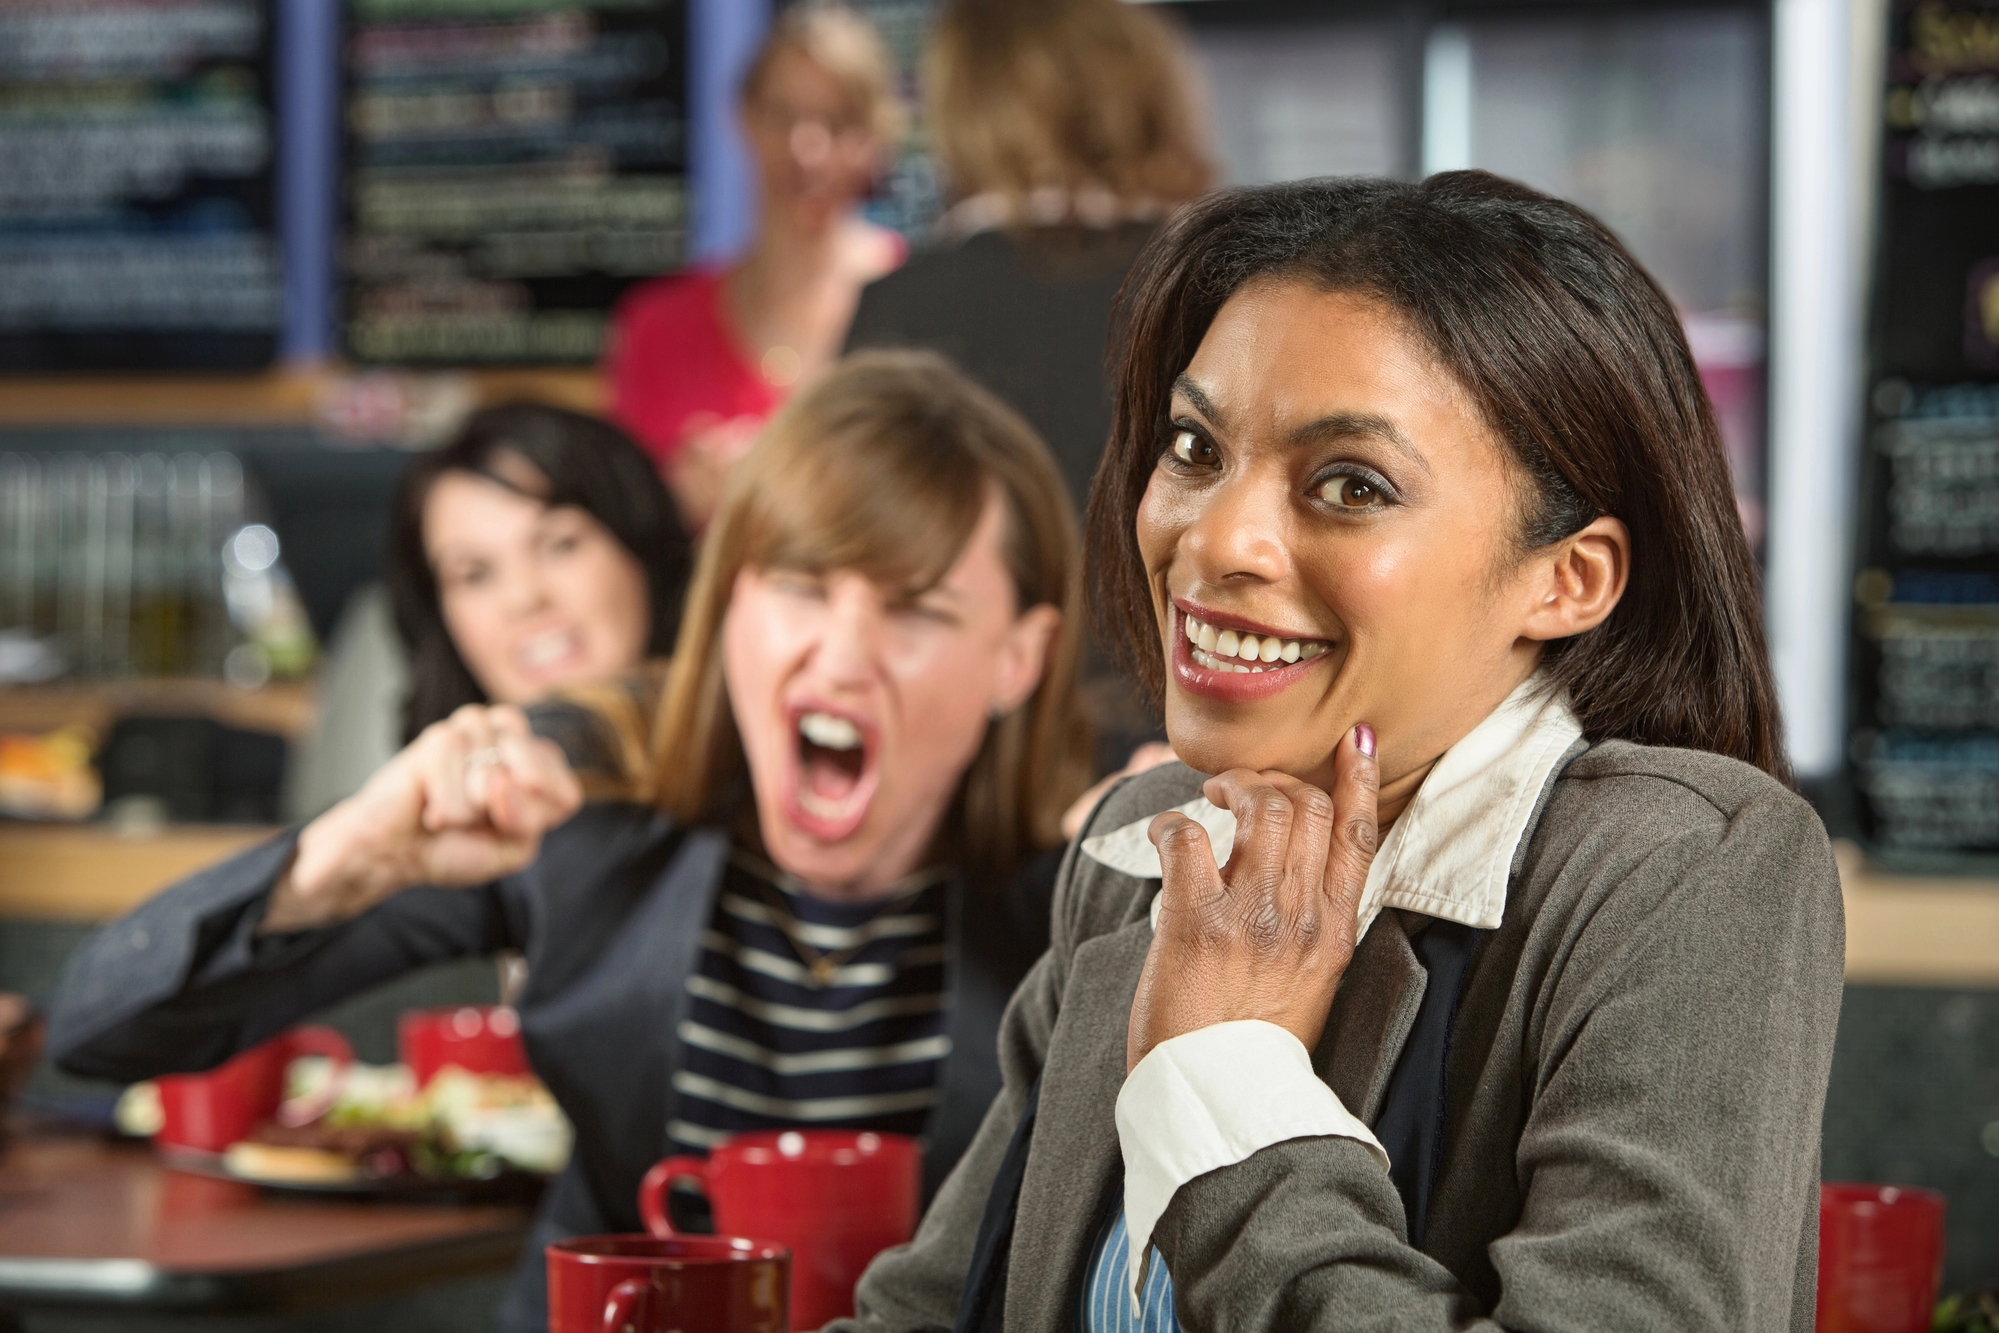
{"x": 698, "y": 361}
{"x": 847, "y": 804}
{"x": 1066, "y": 130}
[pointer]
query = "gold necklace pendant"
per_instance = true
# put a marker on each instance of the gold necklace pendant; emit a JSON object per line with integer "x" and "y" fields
{"x": 823, "y": 970}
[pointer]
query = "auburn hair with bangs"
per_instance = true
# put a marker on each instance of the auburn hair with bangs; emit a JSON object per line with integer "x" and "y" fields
{"x": 884, "y": 466}
{"x": 1575, "y": 358}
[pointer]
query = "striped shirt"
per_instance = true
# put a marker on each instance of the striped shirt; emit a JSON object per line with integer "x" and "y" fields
{"x": 767, "y": 1045}
{"x": 1107, "y": 1306}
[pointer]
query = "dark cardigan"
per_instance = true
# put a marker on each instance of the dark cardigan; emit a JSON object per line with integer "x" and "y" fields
{"x": 610, "y": 919}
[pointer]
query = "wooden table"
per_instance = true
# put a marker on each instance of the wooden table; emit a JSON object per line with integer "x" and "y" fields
{"x": 84, "y": 1222}
{"x": 92, "y": 872}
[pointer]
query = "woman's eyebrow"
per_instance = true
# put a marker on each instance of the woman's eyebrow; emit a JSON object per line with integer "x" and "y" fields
{"x": 1185, "y": 386}
{"x": 1363, "y": 425}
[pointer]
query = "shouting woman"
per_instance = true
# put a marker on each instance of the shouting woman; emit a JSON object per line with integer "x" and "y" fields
{"x": 835, "y": 859}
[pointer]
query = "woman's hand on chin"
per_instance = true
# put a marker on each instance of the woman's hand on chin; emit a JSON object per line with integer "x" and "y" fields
{"x": 1269, "y": 936}
{"x": 464, "y": 803}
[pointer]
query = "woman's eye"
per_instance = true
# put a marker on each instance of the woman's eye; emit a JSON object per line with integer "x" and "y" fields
{"x": 1351, "y": 493}
{"x": 1191, "y": 449}
{"x": 796, "y": 585}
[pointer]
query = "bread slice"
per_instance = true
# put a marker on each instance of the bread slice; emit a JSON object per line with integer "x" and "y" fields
{"x": 290, "y": 1166}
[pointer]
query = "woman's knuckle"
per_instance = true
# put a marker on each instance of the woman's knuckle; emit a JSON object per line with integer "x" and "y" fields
{"x": 1314, "y": 805}
{"x": 1269, "y": 810}
{"x": 1264, "y": 928}
{"x": 1360, "y": 835}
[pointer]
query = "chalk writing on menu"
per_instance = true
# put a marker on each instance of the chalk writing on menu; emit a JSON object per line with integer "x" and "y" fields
{"x": 136, "y": 209}
{"x": 512, "y": 167}
{"x": 1927, "y": 746}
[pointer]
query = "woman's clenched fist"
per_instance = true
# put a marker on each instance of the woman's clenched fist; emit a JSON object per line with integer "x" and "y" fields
{"x": 464, "y": 803}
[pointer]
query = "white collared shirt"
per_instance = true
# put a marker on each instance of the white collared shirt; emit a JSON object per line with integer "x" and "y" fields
{"x": 1214, "y": 1097}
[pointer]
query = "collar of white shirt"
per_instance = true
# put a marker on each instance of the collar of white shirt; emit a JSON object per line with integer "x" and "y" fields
{"x": 1451, "y": 853}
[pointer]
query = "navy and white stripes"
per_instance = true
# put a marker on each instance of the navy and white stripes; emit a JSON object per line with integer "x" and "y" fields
{"x": 766, "y": 1046}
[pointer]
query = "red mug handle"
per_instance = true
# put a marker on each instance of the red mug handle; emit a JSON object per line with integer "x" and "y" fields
{"x": 316, "y": 1041}
{"x": 652, "y": 1190}
{"x": 624, "y": 1307}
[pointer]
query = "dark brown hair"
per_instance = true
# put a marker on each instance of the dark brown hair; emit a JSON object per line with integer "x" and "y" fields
{"x": 884, "y": 465}
{"x": 1573, "y": 355}
{"x": 582, "y": 462}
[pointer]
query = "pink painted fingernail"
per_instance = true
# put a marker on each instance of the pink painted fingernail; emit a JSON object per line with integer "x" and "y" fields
{"x": 1363, "y": 739}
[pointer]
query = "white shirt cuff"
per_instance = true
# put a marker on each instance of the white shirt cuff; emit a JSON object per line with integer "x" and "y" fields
{"x": 1209, "y": 1099}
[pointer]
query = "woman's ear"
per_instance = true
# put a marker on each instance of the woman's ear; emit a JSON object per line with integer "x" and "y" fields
{"x": 1023, "y": 656}
{"x": 1576, "y": 583}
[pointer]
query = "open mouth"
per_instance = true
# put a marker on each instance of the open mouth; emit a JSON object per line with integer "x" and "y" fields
{"x": 548, "y": 651}
{"x": 1238, "y": 664}
{"x": 1235, "y": 651}
{"x": 836, "y": 776}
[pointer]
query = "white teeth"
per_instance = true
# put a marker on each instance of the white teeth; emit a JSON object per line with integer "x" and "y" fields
{"x": 829, "y": 732}
{"x": 1214, "y": 649}
{"x": 546, "y": 648}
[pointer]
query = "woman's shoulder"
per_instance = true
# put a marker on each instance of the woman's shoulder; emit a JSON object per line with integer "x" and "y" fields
{"x": 1630, "y": 830}
{"x": 1106, "y": 880}
{"x": 1666, "y": 789}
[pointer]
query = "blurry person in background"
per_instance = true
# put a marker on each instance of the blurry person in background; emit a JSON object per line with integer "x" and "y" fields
{"x": 535, "y": 551}
{"x": 698, "y": 361}
{"x": 845, "y": 802}
{"x": 1066, "y": 130}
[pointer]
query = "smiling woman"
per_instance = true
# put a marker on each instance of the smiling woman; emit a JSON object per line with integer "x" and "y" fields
{"x": 1490, "y": 981}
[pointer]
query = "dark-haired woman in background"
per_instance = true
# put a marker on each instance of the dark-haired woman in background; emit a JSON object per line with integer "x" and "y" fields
{"x": 537, "y": 550}
{"x": 1511, "y": 1003}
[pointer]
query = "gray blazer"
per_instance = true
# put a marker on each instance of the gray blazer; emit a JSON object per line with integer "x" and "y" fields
{"x": 1633, "y": 1096}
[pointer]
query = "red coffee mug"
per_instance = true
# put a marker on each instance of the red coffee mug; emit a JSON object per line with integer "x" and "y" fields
{"x": 643, "y": 1284}
{"x": 478, "y": 1038}
{"x": 836, "y": 1198}
{"x": 208, "y": 1112}
{"x": 1880, "y": 1258}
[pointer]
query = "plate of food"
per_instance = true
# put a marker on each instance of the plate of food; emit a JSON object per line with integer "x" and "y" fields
{"x": 463, "y": 1138}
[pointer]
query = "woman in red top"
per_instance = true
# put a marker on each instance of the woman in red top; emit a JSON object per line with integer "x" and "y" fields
{"x": 697, "y": 361}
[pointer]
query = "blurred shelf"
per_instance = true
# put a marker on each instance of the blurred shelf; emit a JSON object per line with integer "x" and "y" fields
{"x": 287, "y": 708}
{"x": 88, "y": 873}
{"x": 1918, "y": 930}
{"x": 290, "y": 396}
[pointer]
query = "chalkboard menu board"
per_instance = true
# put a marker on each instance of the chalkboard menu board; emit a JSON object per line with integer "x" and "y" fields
{"x": 512, "y": 167}
{"x": 1926, "y": 747}
{"x": 136, "y": 186}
